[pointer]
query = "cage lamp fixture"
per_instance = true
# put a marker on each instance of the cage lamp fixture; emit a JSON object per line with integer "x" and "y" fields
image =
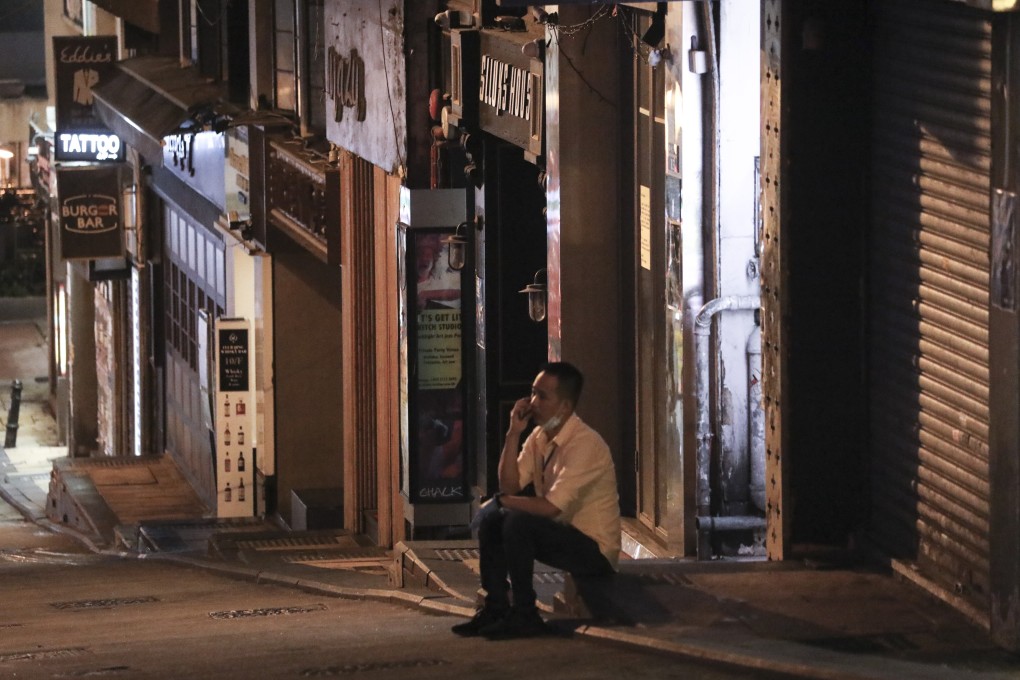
{"x": 536, "y": 293}
{"x": 456, "y": 254}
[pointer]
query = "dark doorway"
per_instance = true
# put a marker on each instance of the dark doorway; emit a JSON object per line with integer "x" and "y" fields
{"x": 308, "y": 379}
{"x": 515, "y": 249}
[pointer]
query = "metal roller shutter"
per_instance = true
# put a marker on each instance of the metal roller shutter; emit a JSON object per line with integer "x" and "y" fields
{"x": 928, "y": 306}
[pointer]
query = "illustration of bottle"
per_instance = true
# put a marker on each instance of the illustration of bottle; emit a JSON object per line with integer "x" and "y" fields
{"x": 240, "y": 435}
{"x": 240, "y": 491}
{"x": 240, "y": 462}
{"x": 240, "y": 407}
{"x": 226, "y": 436}
{"x": 226, "y": 462}
{"x": 226, "y": 406}
{"x": 227, "y": 493}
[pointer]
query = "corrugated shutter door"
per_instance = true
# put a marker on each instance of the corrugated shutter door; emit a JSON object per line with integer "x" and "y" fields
{"x": 928, "y": 303}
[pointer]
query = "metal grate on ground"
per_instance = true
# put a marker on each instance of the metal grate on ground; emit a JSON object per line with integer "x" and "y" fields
{"x": 457, "y": 554}
{"x": 662, "y": 578}
{"x": 371, "y": 666}
{"x": 39, "y": 655}
{"x": 114, "y": 462}
{"x": 266, "y": 611}
{"x": 106, "y": 603}
{"x": 358, "y": 554}
{"x": 297, "y": 542}
{"x": 550, "y": 577}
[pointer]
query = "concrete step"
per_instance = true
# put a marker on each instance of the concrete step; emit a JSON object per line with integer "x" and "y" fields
{"x": 190, "y": 535}
{"x": 451, "y": 567}
{"x": 97, "y": 496}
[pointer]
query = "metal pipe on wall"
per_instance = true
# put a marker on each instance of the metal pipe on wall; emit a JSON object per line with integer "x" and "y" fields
{"x": 710, "y": 253}
{"x": 702, "y": 337}
{"x": 712, "y": 153}
{"x": 732, "y": 523}
{"x": 756, "y": 419}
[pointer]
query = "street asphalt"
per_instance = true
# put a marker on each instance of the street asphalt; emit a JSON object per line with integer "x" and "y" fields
{"x": 826, "y": 616}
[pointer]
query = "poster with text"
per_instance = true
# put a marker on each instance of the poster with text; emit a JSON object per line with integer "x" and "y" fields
{"x": 234, "y": 417}
{"x": 436, "y": 391}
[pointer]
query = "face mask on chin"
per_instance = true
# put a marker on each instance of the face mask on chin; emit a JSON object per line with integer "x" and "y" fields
{"x": 552, "y": 423}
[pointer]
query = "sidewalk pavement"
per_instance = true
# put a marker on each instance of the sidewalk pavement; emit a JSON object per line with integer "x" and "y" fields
{"x": 803, "y": 618}
{"x": 26, "y": 467}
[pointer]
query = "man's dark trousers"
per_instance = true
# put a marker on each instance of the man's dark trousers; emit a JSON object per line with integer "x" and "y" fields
{"x": 510, "y": 541}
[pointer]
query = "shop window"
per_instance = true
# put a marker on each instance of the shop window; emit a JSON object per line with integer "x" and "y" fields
{"x": 299, "y": 61}
{"x": 219, "y": 44}
{"x": 187, "y": 289}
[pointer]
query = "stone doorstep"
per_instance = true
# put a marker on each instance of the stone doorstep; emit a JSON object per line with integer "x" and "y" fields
{"x": 447, "y": 567}
{"x": 77, "y": 500}
{"x": 28, "y": 309}
{"x": 91, "y": 513}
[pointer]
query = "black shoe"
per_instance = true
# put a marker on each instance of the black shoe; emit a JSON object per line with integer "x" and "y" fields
{"x": 483, "y": 617}
{"x": 519, "y": 623}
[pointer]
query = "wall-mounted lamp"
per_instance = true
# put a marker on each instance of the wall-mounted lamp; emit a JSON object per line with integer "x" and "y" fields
{"x": 242, "y": 226}
{"x": 456, "y": 255}
{"x": 456, "y": 19}
{"x": 129, "y": 196}
{"x": 60, "y": 329}
{"x": 697, "y": 58}
{"x": 6, "y": 155}
{"x": 657, "y": 56}
{"x": 534, "y": 49}
{"x": 536, "y": 293}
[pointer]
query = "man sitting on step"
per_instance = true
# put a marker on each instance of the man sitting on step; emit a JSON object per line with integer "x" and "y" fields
{"x": 571, "y": 521}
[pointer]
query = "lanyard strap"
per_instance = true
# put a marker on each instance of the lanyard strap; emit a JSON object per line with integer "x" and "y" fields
{"x": 545, "y": 464}
{"x": 548, "y": 459}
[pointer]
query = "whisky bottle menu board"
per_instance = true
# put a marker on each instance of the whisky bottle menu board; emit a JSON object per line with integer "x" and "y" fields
{"x": 234, "y": 418}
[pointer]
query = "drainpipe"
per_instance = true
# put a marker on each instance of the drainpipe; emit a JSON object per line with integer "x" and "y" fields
{"x": 711, "y": 154}
{"x": 756, "y": 419}
{"x": 702, "y": 340}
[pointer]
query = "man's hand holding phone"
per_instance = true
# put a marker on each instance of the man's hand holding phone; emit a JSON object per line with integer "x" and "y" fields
{"x": 519, "y": 415}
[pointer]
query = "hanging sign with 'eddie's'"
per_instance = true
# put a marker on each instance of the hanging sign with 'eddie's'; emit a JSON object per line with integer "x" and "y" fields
{"x": 82, "y": 63}
{"x": 90, "y": 225}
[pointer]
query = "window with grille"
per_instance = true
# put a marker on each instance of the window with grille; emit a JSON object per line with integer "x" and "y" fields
{"x": 218, "y": 45}
{"x": 193, "y": 281}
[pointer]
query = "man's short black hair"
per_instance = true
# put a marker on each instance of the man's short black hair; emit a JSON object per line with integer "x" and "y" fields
{"x": 569, "y": 379}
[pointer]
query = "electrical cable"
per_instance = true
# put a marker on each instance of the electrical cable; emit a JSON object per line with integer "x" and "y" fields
{"x": 389, "y": 96}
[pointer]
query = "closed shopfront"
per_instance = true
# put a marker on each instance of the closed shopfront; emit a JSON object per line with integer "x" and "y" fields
{"x": 929, "y": 289}
{"x": 193, "y": 282}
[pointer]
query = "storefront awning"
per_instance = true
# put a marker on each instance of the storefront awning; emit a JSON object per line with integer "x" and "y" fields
{"x": 151, "y": 97}
{"x": 141, "y": 13}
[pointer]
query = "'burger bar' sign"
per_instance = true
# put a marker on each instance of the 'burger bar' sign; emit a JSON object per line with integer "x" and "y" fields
{"x": 90, "y": 225}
